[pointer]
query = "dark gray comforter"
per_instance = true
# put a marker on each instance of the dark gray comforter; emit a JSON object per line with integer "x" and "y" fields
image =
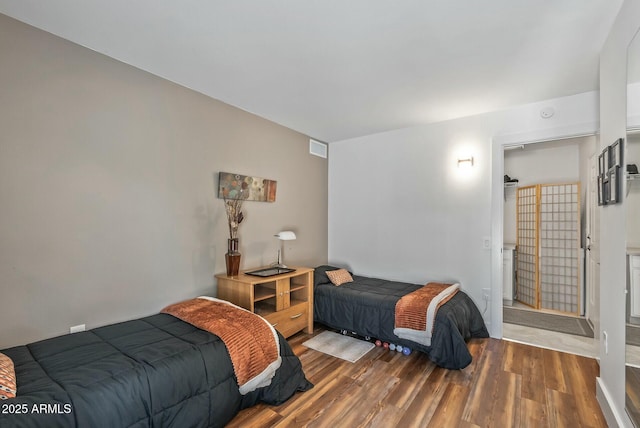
{"x": 366, "y": 307}
{"x": 157, "y": 371}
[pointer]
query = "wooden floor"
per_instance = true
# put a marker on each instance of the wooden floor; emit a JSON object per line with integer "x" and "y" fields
{"x": 507, "y": 385}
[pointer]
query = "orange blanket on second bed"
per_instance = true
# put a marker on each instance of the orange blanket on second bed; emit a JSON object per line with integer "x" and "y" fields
{"x": 251, "y": 341}
{"x": 415, "y": 312}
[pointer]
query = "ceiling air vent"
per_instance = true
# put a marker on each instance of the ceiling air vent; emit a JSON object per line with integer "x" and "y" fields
{"x": 317, "y": 148}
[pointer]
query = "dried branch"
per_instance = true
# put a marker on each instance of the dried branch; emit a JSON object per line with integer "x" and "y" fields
{"x": 233, "y": 207}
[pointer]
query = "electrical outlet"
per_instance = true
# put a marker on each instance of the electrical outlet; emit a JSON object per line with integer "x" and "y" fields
{"x": 486, "y": 243}
{"x": 77, "y": 328}
{"x": 486, "y": 294}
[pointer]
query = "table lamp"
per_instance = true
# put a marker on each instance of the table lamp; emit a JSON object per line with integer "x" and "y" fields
{"x": 285, "y": 235}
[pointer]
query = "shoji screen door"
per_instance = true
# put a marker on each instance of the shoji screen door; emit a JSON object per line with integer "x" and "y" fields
{"x": 527, "y": 246}
{"x": 548, "y": 224}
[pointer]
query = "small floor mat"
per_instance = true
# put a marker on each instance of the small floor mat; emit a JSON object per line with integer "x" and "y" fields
{"x": 546, "y": 321}
{"x": 339, "y": 346}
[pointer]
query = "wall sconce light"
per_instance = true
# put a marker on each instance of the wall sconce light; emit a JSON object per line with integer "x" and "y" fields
{"x": 465, "y": 163}
{"x": 285, "y": 235}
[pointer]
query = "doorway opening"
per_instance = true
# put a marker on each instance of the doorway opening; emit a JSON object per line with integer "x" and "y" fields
{"x": 544, "y": 235}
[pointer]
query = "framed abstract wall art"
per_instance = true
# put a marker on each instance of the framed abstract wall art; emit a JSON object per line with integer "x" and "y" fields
{"x": 234, "y": 186}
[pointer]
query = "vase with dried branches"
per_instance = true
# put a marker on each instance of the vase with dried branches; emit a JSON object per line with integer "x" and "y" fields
{"x": 233, "y": 207}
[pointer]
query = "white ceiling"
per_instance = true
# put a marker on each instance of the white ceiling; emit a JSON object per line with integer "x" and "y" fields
{"x": 335, "y": 69}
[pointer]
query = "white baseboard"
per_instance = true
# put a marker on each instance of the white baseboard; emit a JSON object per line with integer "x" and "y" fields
{"x": 612, "y": 416}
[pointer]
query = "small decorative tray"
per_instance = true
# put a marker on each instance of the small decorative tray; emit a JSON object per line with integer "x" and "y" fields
{"x": 270, "y": 271}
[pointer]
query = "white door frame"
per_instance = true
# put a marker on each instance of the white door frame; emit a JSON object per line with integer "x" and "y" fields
{"x": 592, "y": 253}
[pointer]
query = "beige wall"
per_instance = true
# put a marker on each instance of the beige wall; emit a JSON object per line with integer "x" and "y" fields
{"x": 108, "y": 175}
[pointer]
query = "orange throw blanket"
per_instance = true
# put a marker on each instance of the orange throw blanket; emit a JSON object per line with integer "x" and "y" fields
{"x": 252, "y": 342}
{"x": 416, "y": 312}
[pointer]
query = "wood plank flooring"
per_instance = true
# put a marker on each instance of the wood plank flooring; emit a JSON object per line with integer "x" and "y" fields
{"x": 507, "y": 385}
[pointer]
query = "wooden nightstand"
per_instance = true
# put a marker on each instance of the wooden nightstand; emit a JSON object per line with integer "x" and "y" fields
{"x": 285, "y": 300}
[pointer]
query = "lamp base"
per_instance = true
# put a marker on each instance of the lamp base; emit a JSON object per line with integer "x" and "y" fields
{"x": 278, "y": 265}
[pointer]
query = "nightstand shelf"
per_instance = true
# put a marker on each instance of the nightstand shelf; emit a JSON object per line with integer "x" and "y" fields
{"x": 262, "y": 293}
{"x": 285, "y": 300}
{"x": 264, "y": 308}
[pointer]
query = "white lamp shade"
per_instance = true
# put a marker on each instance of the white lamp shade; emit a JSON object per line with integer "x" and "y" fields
{"x": 286, "y": 235}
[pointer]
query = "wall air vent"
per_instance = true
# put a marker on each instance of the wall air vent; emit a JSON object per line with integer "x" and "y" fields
{"x": 317, "y": 148}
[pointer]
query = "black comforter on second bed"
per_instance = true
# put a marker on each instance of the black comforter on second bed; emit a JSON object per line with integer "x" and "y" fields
{"x": 156, "y": 371}
{"x": 366, "y": 307}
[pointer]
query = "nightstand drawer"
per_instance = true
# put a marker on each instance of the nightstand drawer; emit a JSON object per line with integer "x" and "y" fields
{"x": 290, "y": 320}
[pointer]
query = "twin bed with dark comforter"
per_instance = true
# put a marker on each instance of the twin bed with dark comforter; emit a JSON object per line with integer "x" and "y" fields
{"x": 156, "y": 371}
{"x": 366, "y": 307}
